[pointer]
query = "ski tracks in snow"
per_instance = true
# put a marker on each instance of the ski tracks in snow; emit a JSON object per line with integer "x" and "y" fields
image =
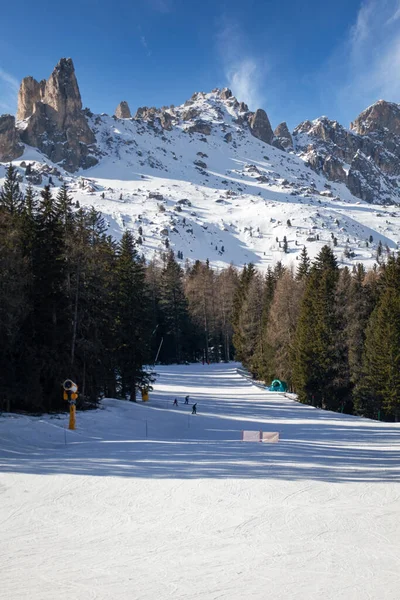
{"x": 194, "y": 513}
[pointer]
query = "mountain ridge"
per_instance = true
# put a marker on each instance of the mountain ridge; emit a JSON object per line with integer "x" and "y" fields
{"x": 211, "y": 178}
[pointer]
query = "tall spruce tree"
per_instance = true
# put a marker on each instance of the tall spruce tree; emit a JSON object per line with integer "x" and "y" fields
{"x": 378, "y": 394}
{"x": 316, "y": 364}
{"x": 132, "y": 329}
{"x": 304, "y": 266}
{"x": 264, "y": 356}
{"x": 174, "y": 306}
{"x": 201, "y": 293}
{"x": 15, "y": 308}
{"x": 49, "y": 298}
{"x": 11, "y": 197}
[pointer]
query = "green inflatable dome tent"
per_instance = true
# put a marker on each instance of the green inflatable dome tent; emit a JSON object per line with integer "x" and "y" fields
{"x": 278, "y": 386}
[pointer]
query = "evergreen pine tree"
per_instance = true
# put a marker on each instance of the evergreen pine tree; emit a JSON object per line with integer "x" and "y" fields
{"x": 304, "y": 267}
{"x": 50, "y": 315}
{"x": 378, "y": 393}
{"x": 132, "y": 323}
{"x": 64, "y": 206}
{"x": 174, "y": 306}
{"x": 11, "y": 197}
{"x": 316, "y": 365}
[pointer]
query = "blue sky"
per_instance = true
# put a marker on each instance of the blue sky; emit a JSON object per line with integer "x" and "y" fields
{"x": 297, "y": 60}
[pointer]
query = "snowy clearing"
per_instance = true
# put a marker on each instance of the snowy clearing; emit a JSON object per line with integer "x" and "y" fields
{"x": 190, "y": 511}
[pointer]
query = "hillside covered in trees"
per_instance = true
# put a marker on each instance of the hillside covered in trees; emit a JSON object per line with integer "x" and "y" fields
{"x": 75, "y": 303}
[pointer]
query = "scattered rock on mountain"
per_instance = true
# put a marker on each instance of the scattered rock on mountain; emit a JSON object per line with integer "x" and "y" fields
{"x": 200, "y": 164}
{"x": 200, "y": 127}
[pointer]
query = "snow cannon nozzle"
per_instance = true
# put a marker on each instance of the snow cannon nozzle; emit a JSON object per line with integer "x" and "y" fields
{"x": 70, "y": 386}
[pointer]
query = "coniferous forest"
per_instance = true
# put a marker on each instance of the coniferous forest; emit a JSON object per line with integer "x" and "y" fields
{"x": 74, "y": 303}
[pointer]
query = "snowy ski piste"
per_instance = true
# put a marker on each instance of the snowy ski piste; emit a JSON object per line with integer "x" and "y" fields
{"x": 146, "y": 501}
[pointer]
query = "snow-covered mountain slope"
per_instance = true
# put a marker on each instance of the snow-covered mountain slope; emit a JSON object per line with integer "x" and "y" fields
{"x": 147, "y": 501}
{"x": 204, "y": 185}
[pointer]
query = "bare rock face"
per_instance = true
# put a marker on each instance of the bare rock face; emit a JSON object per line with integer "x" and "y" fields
{"x": 225, "y": 94}
{"x": 55, "y": 122}
{"x": 190, "y": 113}
{"x": 165, "y": 120}
{"x": 366, "y": 158}
{"x": 123, "y": 111}
{"x": 282, "y": 137}
{"x": 377, "y": 118}
{"x": 200, "y": 127}
{"x": 260, "y": 126}
{"x": 334, "y": 170}
{"x": 365, "y": 180}
{"x": 10, "y": 146}
{"x": 151, "y": 115}
{"x": 144, "y": 113}
{"x": 30, "y": 91}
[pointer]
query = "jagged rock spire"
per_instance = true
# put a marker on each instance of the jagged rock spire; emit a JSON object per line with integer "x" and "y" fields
{"x": 260, "y": 126}
{"x": 123, "y": 111}
{"x": 282, "y": 137}
{"x": 56, "y": 123}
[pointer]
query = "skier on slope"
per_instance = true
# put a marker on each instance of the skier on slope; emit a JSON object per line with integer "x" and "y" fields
{"x": 175, "y": 402}
{"x": 194, "y": 409}
{"x": 186, "y": 399}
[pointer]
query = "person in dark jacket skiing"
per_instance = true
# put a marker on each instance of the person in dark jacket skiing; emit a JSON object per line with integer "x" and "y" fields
{"x": 194, "y": 409}
{"x": 175, "y": 402}
{"x": 186, "y": 399}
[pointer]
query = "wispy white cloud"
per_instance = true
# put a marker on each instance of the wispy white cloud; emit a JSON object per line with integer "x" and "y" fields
{"x": 245, "y": 82}
{"x": 369, "y": 62}
{"x": 8, "y": 92}
{"x": 244, "y": 70}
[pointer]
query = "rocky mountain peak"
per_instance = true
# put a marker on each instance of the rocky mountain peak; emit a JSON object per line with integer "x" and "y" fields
{"x": 366, "y": 157}
{"x": 225, "y": 93}
{"x": 55, "y": 122}
{"x": 123, "y": 111}
{"x": 62, "y": 93}
{"x": 377, "y": 118}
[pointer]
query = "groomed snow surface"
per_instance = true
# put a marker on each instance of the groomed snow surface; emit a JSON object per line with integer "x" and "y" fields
{"x": 190, "y": 511}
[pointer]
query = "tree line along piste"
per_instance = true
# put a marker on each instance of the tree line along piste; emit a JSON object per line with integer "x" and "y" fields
{"x": 76, "y": 303}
